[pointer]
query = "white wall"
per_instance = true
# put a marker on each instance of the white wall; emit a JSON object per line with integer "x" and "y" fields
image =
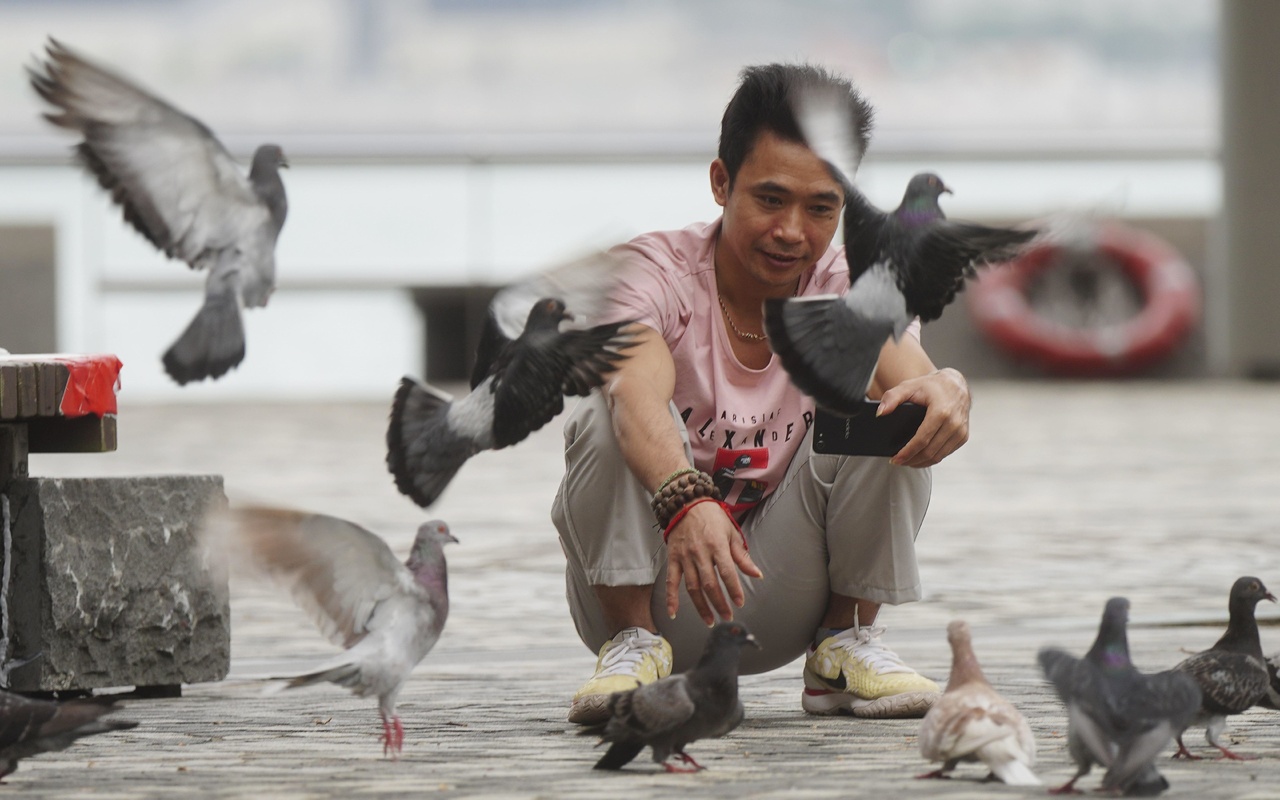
{"x": 340, "y": 325}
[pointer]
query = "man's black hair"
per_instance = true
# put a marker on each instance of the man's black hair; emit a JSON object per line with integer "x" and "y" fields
{"x": 763, "y": 102}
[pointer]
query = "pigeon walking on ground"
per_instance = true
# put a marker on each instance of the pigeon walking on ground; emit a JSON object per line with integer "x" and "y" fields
{"x": 671, "y": 713}
{"x": 29, "y": 727}
{"x": 431, "y": 435}
{"x": 181, "y": 189}
{"x": 1117, "y": 716}
{"x": 386, "y": 615}
{"x": 1233, "y": 673}
{"x": 1272, "y": 700}
{"x": 904, "y": 264}
{"x": 972, "y": 722}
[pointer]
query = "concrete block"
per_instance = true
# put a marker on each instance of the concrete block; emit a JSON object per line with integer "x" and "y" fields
{"x": 103, "y": 583}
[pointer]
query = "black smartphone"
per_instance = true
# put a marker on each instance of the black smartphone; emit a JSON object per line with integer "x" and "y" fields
{"x": 865, "y": 434}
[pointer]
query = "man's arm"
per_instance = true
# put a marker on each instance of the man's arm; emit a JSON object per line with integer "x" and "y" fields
{"x": 705, "y": 546}
{"x": 906, "y": 374}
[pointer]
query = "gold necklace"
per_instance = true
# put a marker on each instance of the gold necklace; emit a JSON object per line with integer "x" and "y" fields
{"x": 751, "y": 337}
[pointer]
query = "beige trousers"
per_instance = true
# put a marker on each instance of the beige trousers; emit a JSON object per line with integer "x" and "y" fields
{"x": 843, "y": 524}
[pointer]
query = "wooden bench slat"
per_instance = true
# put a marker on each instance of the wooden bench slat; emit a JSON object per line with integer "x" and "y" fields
{"x": 46, "y": 387}
{"x": 8, "y": 391}
{"x": 28, "y": 392}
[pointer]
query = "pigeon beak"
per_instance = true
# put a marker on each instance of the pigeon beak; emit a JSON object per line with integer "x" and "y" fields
{"x": 752, "y": 638}
{"x": 1270, "y": 597}
{"x": 946, "y": 189}
{"x": 284, "y": 162}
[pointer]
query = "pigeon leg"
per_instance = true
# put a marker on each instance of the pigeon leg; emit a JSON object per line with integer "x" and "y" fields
{"x": 398, "y": 729}
{"x": 388, "y": 737}
{"x": 1068, "y": 788}
{"x": 686, "y": 759}
{"x": 940, "y": 772}
{"x": 1230, "y": 756}
{"x": 1183, "y": 752}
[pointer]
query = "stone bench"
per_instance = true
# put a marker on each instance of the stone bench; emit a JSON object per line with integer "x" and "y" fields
{"x": 102, "y": 581}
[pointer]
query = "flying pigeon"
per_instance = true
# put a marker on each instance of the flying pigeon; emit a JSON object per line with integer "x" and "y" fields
{"x": 673, "y": 712}
{"x": 385, "y": 614}
{"x": 1233, "y": 673}
{"x": 904, "y": 264}
{"x": 181, "y": 189}
{"x": 430, "y": 435}
{"x": 29, "y": 727}
{"x": 972, "y": 722}
{"x": 1117, "y": 716}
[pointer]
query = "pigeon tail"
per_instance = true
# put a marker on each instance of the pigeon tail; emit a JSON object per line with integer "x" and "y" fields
{"x": 619, "y": 755}
{"x": 830, "y": 352}
{"x": 1011, "y": 772}
{"x": 416, "y": 408}
{"x": 346, "y": 674}
{"x": 211, "y": 345}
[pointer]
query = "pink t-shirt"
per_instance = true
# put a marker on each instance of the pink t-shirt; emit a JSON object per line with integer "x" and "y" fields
{"x": 744, "y": 424}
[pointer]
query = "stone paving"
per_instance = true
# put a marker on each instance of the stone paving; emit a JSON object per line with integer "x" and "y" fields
{"x": 1066, "y": 495}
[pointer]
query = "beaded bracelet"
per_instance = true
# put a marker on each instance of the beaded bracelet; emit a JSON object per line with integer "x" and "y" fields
{"x": 679, "y": 492}
{"x": 672, "y": 477}
{"x": 666, "y": 532}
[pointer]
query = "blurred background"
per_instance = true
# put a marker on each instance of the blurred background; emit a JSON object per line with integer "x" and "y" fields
{"x": 441, "y": 147}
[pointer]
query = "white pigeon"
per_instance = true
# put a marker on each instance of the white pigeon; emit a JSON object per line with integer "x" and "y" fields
{"x": 386, "y": 615}
{"x": 972, "y": 722}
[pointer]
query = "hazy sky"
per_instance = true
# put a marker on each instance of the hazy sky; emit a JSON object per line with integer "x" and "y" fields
{"x": 660, "y": 68}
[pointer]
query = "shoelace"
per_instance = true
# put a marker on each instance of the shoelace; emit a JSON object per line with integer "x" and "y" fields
{"x": 624, "y": 657}
{"x": 865, "y": 646}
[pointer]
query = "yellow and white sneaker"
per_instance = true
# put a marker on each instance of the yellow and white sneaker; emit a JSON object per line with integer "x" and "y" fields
{"x": 854, "y": 673}
{"x": 632, "y": 658}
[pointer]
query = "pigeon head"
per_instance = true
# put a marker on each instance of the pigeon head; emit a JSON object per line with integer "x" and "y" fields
{"x": 926, "y": 184}
{"x": 920, "y": 201}
{"x": 546, "y": 315}
{"x": 1111, "y": 649}
{"x": 1247, "y": 592}
{"x": 964, "y": 664}
{"x": 430, "y": 541}
{"x": 732, "y": 633}
{"x": 268, "y": 158}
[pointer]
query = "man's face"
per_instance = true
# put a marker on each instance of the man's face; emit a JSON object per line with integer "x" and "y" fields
{"x": 779, "y": 216}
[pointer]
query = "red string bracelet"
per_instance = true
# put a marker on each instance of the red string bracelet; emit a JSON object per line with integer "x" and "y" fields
{"x": 685, "y": 510}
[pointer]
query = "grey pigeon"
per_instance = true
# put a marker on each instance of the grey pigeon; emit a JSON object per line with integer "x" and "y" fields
{"x": 181, "y": 189}
{"x": 907, "y": 263}
{"x": 386, "y": 615}
{"x": 29, "y": 727}
{"x": 430, "y": 435}
{"x": 1233, "y": 673}
{"x": 673, "y": 712}
{"x": 972, "y": 722}
{"x": 1272, "y": 700}
{"x": 1117, "y": 716}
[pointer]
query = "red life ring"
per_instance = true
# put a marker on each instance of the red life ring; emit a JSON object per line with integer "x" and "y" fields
{"x": 1170, "y": 309}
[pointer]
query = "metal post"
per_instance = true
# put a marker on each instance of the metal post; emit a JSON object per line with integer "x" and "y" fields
{"x": 1251, "y": 183}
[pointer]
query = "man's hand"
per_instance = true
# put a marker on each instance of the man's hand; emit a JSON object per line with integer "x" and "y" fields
{"x": 704, "y": 548}
{"x": 945, "y": 396}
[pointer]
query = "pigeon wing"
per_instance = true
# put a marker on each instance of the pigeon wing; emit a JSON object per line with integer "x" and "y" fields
{"x": 535, "y": 374}
{"x": 652, "y": 710}
{"x": 823, "y": 115}
{"x": 583, "y": 284}
{"x": 936, "y": 262}
{"x": 337, "y": 571}
{"x": 829, "y": 349}
{"x": 177, "y": 185}
{"x": 1230, "y": 682}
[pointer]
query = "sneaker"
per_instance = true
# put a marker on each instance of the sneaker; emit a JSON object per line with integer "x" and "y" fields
{"x": 632, "y": 658}
{"x": 854, "y": 673}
